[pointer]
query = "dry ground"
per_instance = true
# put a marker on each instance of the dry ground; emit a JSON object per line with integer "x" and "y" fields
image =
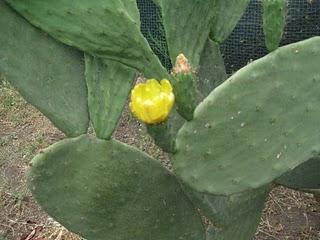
{"x": 289, "y": 215}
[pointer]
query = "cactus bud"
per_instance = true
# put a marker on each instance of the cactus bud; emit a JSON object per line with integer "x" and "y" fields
{"x": 151, "y": 102}
{"x": 184, "y": 87}
{"x": 182, "y": 65}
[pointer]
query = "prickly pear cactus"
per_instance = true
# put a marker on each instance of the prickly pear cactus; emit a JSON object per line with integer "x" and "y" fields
{"x": 230, "y": 138}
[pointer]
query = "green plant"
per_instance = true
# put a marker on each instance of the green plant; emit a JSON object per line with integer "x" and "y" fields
{"x": 2, "y": 237}
{"x": 240, "y": 134}
{"x": 274, "y": 19}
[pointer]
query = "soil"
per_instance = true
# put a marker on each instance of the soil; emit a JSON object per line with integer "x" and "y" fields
{"x": 288, "y": 215}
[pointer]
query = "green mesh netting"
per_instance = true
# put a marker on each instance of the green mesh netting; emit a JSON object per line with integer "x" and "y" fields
{"x": 152, "y": 29}
{"x": 246, "y": 42}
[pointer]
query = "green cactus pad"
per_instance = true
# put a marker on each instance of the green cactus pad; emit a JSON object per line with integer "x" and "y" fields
{"x": 256, "y": 126}
{"x": 305, "y": 176}
{"x": 108, "y": 29}
{"x": 243, "y": 229}
{"x": 225, "y": 210}
{"x": 274, "y": 20}
{"x": 227, "y": 14}
{"x": 108, "y": 190}
{"x": 49, "y": 75}
{"x": 236, "y": 216}
{"x": 187, "y": 25}
{"x": 109, "y": 84}
{"x": 212, "y": 71}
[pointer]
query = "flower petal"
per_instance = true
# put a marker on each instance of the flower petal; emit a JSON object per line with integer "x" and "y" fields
{"x": 152, "y": 101}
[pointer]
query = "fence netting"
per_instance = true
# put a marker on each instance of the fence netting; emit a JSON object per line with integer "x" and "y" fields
{"x": 246, "y": 43}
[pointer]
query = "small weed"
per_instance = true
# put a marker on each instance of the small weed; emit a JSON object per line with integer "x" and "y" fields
{"x": 19, "y": 196}
{"x": 2, "y": 189}
{"x": 3, "y": 186}
{"x": 5, "y": 140}
{"x": 28, "y": 151}
{"x": 2, "y": 236}
{"x": 40, "y": 139}
{"x": 131, "y": 119}
{"x": 3, "y": 81}
{"x": 12, "y": 105}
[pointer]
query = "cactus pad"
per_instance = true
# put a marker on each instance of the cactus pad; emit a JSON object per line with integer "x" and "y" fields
{"x": 48, "y": 74}
{"x": 256, "y": 126}
{"x": 236, "y": 216}
{"x": 108, "y": 29}
{"x": 305, "y": 176}
{"x": 224, "y": 210}
{"x": 108, "y": 190}
{"x": 212, "y": 71}
{"x": 227, "y": 14}
{"x": 187, "y": 26}
{"x": 109, "y": 84}
{"x": 274, "y": 19}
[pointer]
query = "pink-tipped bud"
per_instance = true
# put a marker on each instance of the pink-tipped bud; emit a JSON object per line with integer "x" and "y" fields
{"x": 182, "y": 65}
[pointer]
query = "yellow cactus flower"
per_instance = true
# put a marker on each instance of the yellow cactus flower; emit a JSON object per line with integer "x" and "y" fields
{"x": 151, "y": 102}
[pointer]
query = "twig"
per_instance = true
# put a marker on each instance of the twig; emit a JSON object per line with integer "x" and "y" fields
{"x": 11, "y": 228}
{"x": 268, "y": 234}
